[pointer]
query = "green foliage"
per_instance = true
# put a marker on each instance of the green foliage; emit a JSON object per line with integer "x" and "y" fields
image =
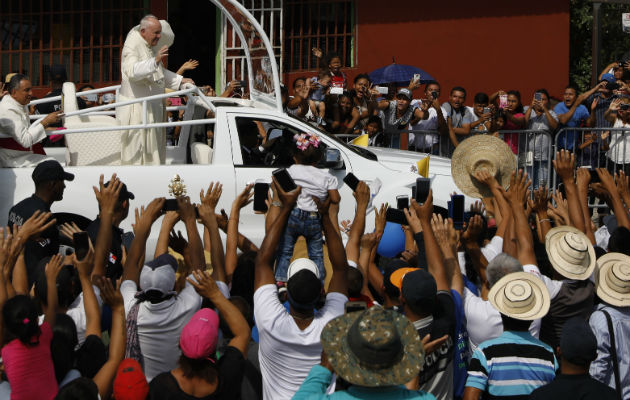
{"x": 615, "y": 43}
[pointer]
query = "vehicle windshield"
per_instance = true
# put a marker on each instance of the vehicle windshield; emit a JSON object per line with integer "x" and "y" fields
{"x": 362, "y": 151}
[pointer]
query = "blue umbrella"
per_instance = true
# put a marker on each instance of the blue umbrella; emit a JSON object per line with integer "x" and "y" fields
{"x": 399, "y": 74}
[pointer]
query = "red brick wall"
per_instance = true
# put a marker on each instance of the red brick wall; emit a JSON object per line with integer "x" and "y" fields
{"x": 499, "y": 45}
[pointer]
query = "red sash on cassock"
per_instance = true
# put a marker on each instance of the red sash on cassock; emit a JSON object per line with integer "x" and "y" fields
{"x": 11, "y": 144}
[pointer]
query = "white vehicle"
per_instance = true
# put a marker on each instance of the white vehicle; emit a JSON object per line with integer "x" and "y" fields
{"x": 394, "y": 169}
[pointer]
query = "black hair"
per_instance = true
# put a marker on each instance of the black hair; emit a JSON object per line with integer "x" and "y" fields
{"x": 14, "y": 82}
{"x": 79, "y": 389}
{"x": 82, "y": 88}
{"x": 571, "y": 87}
{"x": 323, "y": 73}
{"x": 244, "y": 308}
{"x": 519, "y": 108}
{"x": 243, "y": 277}
{"x": 459, "y": 89}
{"x": 309, "y": 156}
{"x": 432, "y": 82}
{"x": 355, "y": 282}
{"x": 481, "y": 98}
{"x": 363, "y": 75}
{"x": 331, "y": 56}
{"x": 513, "y": 324}
{"x": 299, "y": 78}
{"x": 198, "y": 368}
{"x": 62, "y": 346}
{"x": 21, "y": 320}
{"x": 375, "y": 119}
{"x": 619, "y": 241}
{"x": 544, "y": 91}
{"x": 68, "y": 285}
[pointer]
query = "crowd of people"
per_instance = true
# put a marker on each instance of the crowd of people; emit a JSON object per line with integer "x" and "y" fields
{"x": 527, "y": 299}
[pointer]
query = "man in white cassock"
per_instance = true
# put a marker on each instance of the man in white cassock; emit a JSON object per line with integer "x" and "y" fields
{"x": 143, "y": 74}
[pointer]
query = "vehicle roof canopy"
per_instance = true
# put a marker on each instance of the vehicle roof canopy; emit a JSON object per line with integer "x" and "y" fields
{"x": 262, "y": 68}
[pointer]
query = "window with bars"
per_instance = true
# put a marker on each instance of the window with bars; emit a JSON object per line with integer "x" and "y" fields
{"x": 325, "y": 24}
{"x": 86, "y": 36}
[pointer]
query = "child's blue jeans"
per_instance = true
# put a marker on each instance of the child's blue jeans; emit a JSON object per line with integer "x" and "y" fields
{"x": 309, "y": 225}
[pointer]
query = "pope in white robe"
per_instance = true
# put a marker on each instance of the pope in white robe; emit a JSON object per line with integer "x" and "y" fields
{"x": 143, "y": 74}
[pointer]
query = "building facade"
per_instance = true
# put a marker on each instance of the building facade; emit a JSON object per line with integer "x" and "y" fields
{"x": 482, "y": 46}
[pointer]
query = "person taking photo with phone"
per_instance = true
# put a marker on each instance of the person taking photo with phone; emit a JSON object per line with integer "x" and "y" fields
{"x": 540, "y": 118}
{"x": 618, "y": 155}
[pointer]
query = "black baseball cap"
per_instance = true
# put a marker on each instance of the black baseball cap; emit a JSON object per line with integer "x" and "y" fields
{"x": 124, "y": 193}
{"x": 577, "y": 342}
{"x": 418, "y": 287}
{"x": 50, "y": 170}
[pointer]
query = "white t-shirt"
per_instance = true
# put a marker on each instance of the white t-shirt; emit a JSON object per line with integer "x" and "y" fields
{"x": 285, "y": 352}
{"x": 425, "y": 140}
{"x": 76, "y": 311}
{"x": 483, "y": 321}
{"x": 159, "y": 326}
{"x": 314, "y": 182}
{"x": 619, "y": 152}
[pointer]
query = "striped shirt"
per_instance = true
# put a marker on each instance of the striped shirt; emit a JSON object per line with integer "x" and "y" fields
{"x": 511, "y": 366}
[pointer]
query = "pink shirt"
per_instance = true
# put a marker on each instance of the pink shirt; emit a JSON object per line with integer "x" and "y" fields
{"x": 512, "y": 138}
{"x": 30, "y": 368}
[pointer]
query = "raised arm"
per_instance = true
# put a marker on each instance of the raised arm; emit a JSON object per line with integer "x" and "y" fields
{"x": 617, "y": 205}
{"x": 104, "y": 378}
{"x": 52, "y": 271}
{"x": 336, "y": 252}
{"x": 207, "y": 287}
{"x": 583, "y": 179}
{"x": 368, "y": 242}
{"x": 107, "y": 198}
{"x": 424, "y": 213}
{"x": 362, "y": 196}
{"x": 195, "y": 248}
{"x": 565, "y": 167}
{"x": 623, "y": 187}
{"x": 263, "y": 273}
{"x": 539, "y": 205}
{"x": 209, "y": 201}
{"x": 231, "y": 257}
{"x": 144, "y": 220}
{"x": 168, "y": 223}
{"x": 517, "y": 197}
{"x": 447, "y": 237}
{"x": 90, "y": 304}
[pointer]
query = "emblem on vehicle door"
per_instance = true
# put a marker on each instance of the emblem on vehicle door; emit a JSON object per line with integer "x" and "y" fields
{"x": 177, "y": 187}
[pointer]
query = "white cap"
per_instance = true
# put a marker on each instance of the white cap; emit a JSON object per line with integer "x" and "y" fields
{"x": 300, "y": 264}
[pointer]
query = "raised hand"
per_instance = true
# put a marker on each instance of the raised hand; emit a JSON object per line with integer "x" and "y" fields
{"x": 412, "y": 218}
{"x": 564, "y": 164}
{"x": 186, "y": 209}
{"x": 559, "y": 212}
{"x": 204, "y": 284}
{"x": 112, "y": 297}
{"x": 86, "y": 265}
{"x": 146, "y": 216}
{"x": 621, "y": 180}
{"x": 36, "y": 224}
{"x": 161, "y": 55}
{"x": 368, "y": 241}
{"x": 362, "y": 194}
{"x": 212, "y": 195}
{"x": 244, "y": 198}
{"x": 189, "y": 65}
{"x": 583, "y": 178}
{"x": 539, "y": 203}
{"x": 607, "y": 180}
{"x": 484, "y": 177}
{"x": 288, "y": 199}
{"x": 68, "y": 229}
{"x": 445, "y": 234}
{"x": 107, "y": 197}
{"x": 517, "y": 193}
{"x": 473, "y": 230}
{"x": 477, "y": 207}
{"x": 425, "y": 211}
{"x": 177, "y": 241}
{"x": 345, "y": 226}
{"x": 53, "y": 267}
{"x": 380, "y": 218}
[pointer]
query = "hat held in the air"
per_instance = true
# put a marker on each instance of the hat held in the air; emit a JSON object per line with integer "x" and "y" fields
{"x": 477, "y": 153}
{"x": 376, "y": 347}
{"x": 520, "y": 295}
{"x": 570, "y": 252}
{"x": 612, "y": 279}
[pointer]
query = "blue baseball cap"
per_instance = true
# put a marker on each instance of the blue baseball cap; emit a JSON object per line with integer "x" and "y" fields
{"x": 608, "y": 78}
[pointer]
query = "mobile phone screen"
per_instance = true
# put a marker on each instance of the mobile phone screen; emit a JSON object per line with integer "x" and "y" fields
{"x": 352, "y": 181}
{"x": 402, "y": 202}
{"x": 81, "y": 244}
{"x": 396, "y": 216}
{"x": 284, "y": 179}
{"x": 261, "y": 190}
{"x": 594, "y": 176}
{"x": 170, "y": 205}
{"x": 422, "y": 189}
{"x": 457, "y": 211}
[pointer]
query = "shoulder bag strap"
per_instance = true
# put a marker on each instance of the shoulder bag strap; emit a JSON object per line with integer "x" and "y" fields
{"x": 613, "y": 353}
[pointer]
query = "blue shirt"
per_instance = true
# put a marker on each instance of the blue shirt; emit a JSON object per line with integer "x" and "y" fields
{"x": 461, "y": 352}
{"x": 602, "y": 367}
{"x": 514, "y": 364}
{"x": 567, "y": 139}
{"x": 315, "y": 385}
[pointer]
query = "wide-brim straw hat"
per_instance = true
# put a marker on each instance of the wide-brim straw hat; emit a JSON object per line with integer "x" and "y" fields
{"x": 570, "y": 252}
{"x": 482, "y": 152}
{"x": 375, "y": 347}
{"x": 612, "y": 279}
{"x": 520, "y": 295}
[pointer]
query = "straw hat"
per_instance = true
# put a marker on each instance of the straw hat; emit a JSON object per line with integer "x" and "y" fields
{"x": 520, "y": 295}
{"x": 479, "y": 152}
{"x": 612, "y": 279}
{"x": 570, "y": 252}
{"x": 376, "y": 347}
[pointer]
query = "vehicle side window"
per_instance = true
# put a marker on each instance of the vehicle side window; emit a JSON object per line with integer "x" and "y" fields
{"x": 265, "y": 142}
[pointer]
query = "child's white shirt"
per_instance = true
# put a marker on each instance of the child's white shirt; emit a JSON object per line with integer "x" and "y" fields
{"x": 314, "y": 182}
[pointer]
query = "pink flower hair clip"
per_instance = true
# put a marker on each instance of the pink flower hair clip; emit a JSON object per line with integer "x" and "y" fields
{"x": 301, "y": 141}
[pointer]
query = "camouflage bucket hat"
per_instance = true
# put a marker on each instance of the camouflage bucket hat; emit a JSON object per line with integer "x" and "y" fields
{"x": 376, "y": 347}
